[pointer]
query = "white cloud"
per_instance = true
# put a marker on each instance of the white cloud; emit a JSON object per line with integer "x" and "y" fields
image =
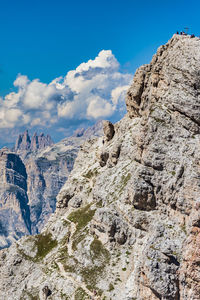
{"x": 39, "y": 95}
{"x": 21, "y": 81}
{"x": 118, "y": 94}
{"x": 93, "y": 90}
{"x": 99, "y": 107}
{"x": 12, "y": 115}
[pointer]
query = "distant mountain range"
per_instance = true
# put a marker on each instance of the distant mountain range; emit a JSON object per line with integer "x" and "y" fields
{"x": 25, "y": 143}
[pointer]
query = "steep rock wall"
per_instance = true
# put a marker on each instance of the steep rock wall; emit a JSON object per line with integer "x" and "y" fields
{"x": 14, "y": 209}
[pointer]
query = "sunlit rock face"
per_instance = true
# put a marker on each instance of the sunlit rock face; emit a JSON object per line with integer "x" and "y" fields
{"x": 127, "y": 220}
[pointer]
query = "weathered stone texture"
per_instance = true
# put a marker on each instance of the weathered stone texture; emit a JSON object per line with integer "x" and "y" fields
{"x": 127, "y": 222}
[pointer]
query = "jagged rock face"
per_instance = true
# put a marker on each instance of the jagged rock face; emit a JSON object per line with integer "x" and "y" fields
{"x": 47, "y": 169}
{"x": 108, "y": 130}
{"x": 25, "y": 144}
{"x": 14, "y": 209}
{"x": 128, "y": 228}
{"x": 40, "y": 142}
{"x": 46, "y": 174}
{"x": 171, "y": 79}
{"x": 23, "y": 141}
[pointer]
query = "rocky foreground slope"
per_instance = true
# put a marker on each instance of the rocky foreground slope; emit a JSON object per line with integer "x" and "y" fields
{"x": 127, "y": 223}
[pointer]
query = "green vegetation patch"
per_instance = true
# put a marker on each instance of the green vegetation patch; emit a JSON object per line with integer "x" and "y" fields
{"x": 70, "y": 268}
{"x": 26, "y": 293}
{"x": 64, "y": 296}
{"x": 44, "y": 244}
{"x": 80, "y": 294}
{"x": 183, "y": 227}
{"x": 91, "y": 274}
{"x": 81, "y": 217}
{"x": 124, "y": 182}
{"x": 98, "y": 251}
{"x": 158, "y": 120}
{"x": 99, "y": 204}
{"x": 63, "y": 249}
{"x": 111, "y": 287}
{"x": 66, "y": 222}
{"x": 91, "y": 173}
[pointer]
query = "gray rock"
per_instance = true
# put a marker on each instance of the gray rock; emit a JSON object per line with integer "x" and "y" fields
{"x": 29, "y": 185}
{"x": 108, "y": 129}
{"x": 103, "y": 158}
{"x": 25, "y": 144}
{"x": 14, "y": 209}
{"x": 136, "y": 233}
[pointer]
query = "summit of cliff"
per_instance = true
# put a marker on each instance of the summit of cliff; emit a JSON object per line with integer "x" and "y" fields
{"x": 127, "y": 222}
{"x": 171, "y": 79}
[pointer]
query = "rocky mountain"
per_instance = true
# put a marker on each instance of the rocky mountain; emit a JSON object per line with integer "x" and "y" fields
{"x": 127, "y": 222}
{"x": 46, "y": 167}
{"x": 14, "y": 209}
{"x": 24, "y": 143}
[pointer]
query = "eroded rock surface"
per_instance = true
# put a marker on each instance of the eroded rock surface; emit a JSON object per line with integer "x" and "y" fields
{"x": 14, "y": 209}
{"x": 108, "y": 129}
{"x": 46, "y": 169}
{"x": 127, "y": 229}
{"x": 24, "y": 143}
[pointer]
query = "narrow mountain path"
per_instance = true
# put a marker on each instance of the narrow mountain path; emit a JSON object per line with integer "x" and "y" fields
{"x": 69, "y": 245}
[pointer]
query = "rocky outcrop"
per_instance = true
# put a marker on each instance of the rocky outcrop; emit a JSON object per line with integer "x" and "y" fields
{"x": 14, "y": 209}
{"x": 108, "y": 129}
{"x": 127, "y": 229}
{"x": 25, "y": 144}
{"x": 110, "y": 152}
{"x": 40, "y": 142}
{"x": 171, "y": 79}
{"x": 47, "y": 171}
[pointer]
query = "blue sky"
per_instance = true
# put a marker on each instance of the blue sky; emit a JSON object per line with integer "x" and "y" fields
{"x": 46, "y": 39}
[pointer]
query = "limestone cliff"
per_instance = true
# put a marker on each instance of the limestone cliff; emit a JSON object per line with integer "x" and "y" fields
{"x": 127, "y": 222}
{"x": 25, "y": 144}
{"x": 46, "y": 169}
{"x": 14, "y": 209}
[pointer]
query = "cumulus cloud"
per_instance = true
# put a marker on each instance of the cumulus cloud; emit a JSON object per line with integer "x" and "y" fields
{"x": 21, "y": 81}
{"x": 93, "y": 90}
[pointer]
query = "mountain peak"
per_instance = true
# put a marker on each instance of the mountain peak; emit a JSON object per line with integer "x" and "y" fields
{"x": 25, "y": 143}
{"x": 171, "y": 79}
{"x": 127, "y": 221}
